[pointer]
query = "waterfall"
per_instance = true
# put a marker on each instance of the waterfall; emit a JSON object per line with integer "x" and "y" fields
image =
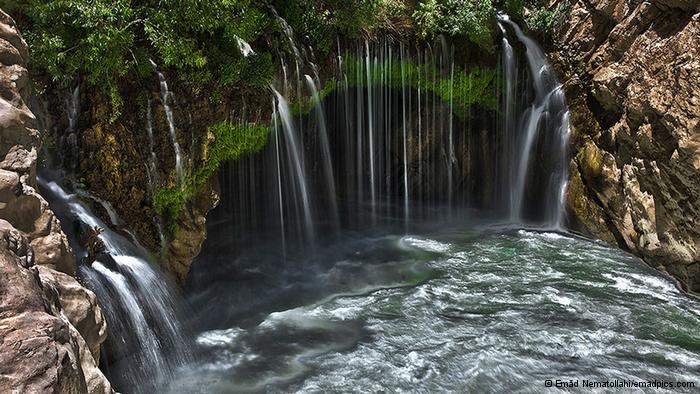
{"x": 244, "y": 47}
{"x": 152, "y": 162}
{"x": 69, "y": 139}
{"x": 145, "y": 341}
{"x": 395, "y": 145}
{"x": 289, "y": 33}
{"x": 547, "y": 113}
{"x": 295, "y": 162}
{"x": 404, "y": 128}
{"x": 152, "y": 166}
{"x": 280, "y": 192}
{"x": 73, "y": 106}
{"x": 166, "y": 97}
{"x": 325, "y": 150}
{"x": 509, "y": 68}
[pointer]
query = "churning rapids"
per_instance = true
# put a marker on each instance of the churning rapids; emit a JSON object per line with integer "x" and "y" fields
{"x": 357, "y": 252}
{"x": 457, "y": 310}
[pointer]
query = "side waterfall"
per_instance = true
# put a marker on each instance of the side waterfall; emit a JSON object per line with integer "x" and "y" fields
{"x": 145, "y": 341}
{"x": 166, "y": 97}
{"x": 548, "y": 114}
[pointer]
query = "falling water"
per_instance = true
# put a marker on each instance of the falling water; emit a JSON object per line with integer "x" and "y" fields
{"x": 393, "y": 145}
{"x": 69, "y": 139}
{"x": 152, "y": 162}
{"x": 295, "y": 161}
{"x": 244, "y": 47}
{"x": 325, "y": 150}
{"x": 280, "y": 192}
{"x": 166, "y": 96}
{"x": 404, "y": 128}
{"x": 370, "y": 132}
{"x": 509, "y": 136}
{"x": 288, "y": 32}
{"x": 73, "y": 106}
{"x": 145, "y": 342}
{"x": 547, "y": 113}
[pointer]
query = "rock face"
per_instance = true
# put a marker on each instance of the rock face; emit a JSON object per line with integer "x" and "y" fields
{"x": 631, "y": 75}
{"x": 51, "y": 328}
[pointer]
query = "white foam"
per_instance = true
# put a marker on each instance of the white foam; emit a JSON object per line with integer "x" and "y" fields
{"x": 217, "y": 338}
{"x": 426, "y": 244}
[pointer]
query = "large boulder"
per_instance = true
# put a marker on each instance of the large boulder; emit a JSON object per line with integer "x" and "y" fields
{"x": 41, "y": 351}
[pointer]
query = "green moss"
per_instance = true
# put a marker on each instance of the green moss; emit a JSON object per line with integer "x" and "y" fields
{"x": 116, "y": 104}
{"x": 301, "y": 105}
{"x": 465, "y": 89}
{"x": 228, "y": 142}
{"x": 259, "y": 71}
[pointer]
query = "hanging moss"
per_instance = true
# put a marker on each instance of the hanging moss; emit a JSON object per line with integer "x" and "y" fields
{"x": 226, "y": 141}
{"x": 302, "y": 105}
{"x": 465, "y": 89}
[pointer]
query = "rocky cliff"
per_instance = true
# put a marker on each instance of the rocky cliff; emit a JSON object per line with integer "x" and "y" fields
{"x": 631, "y": 76}
{"x": 51, "y": 327}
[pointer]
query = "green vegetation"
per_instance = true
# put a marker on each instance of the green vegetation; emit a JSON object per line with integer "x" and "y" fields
{"x": 227, "y": 141}
{"x": 109, "y": 44}
{"x": 543, "y": 20}
{"x": 104, "y": 40}
{"x": 463, "y": 90}
{"x": 302, "y": 105}
{"x": 469, "y": 18}
{"x": 537, "y": 15}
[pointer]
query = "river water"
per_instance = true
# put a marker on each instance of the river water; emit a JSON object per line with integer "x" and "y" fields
{"x": 455, "y": 310}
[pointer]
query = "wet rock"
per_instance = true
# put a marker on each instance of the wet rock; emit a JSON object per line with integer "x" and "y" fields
{"x": 632, "y": 70}
{"x": 191, "y": 233}
{"x": 40, "y": 349}
{"x": 79, "y": 306}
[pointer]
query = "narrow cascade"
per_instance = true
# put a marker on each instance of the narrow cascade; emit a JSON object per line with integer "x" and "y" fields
{"x": 152, "y": 161}
{"x": 69, "y": 139}
{"x": 296, "y": 164}
{"x": 244, "y": 47}
{"x": 73, "y": 106}
{"x": 289, "y": 33}
{"x": 546, "y": 113}
{"x": 166, "y": 96}
{"x": 509, "y": 125}
{"x": 322, "y": 132}
{"x": 152, "y": 165}
{"x": 145, "y": 342}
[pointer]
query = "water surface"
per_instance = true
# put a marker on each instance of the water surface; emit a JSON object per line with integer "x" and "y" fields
{"x": 463, "y": 310}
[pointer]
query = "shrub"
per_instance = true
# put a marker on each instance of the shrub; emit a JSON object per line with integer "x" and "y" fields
{"x": 543, "y": 20}
{"x": 469, "y": 18}
{"x": 227, "y": 141}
